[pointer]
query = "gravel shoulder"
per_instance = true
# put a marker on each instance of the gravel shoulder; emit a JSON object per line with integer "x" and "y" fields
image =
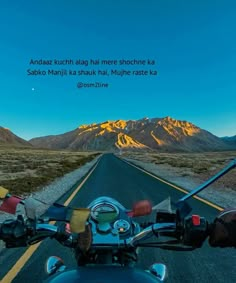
{"x": 216, "y": 193}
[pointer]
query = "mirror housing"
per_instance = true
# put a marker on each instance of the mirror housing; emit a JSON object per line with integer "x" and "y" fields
{"x": 54, "y": 264}
{"x": 159, "y": 270}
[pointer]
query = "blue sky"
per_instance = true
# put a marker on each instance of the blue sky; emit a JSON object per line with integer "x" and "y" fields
{"x": 192, "y": 42}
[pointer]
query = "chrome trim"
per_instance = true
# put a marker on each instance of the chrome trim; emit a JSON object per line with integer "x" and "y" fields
{"x": 106, "y": 199}
{"x": 159, "y": 270}
{"x": 47, "y": 228}
{"x": 54, "y": 264}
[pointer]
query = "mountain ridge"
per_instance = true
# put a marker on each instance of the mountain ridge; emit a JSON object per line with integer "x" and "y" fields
{"x": 9, "y": 138}
{"x": 164, "y": 134}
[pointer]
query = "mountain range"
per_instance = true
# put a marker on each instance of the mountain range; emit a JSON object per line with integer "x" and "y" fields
{"x": 162, "y": 134}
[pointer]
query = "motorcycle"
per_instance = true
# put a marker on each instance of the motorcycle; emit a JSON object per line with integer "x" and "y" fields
{"x": 105, "y": 236}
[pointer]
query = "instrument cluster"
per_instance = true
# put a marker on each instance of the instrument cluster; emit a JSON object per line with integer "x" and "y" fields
{"x": 109, "y": 218}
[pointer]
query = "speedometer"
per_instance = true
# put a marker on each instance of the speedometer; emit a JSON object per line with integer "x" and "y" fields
{"x": 104, "y": 212}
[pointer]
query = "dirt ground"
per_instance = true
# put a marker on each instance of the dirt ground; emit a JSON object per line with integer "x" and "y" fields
{"x": 189, "y": 170}
{"x": 24, "y": 170}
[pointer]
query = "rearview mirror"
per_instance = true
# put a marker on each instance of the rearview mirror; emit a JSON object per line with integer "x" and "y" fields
{"x": 159, "y": 270}
{"x": 54, "y": 264}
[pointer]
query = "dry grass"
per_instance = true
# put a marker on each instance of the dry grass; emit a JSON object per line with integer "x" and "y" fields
{"x": 201, "y": 165}
{"x": 24, "y": 170}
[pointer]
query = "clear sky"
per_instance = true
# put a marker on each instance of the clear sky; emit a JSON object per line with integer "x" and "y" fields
{"x": 192, "y": 42}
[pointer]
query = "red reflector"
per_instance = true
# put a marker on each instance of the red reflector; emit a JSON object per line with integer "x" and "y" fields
{"x": 196, "y": 220}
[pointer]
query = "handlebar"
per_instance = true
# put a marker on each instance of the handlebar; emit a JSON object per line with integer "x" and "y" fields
{"x": 17, "y": 233}
{"x": 155, "y": 229}
{"x": 42, "y": 231}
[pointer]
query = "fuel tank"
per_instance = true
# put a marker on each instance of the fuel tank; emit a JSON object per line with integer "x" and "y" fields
{"x": 103, "y": 274}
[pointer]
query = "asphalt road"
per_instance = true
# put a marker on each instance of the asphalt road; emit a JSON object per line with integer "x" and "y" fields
{"x": 115, "y": 178}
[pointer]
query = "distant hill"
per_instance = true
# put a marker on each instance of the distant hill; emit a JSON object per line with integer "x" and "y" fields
{"x": 230, "y": 140}
{"x": 8, "y": 138}
{"x": 163, "y": 134}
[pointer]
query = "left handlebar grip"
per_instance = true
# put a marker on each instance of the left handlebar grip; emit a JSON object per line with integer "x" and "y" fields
{"x": 0, "y": 230}
{"x": 14, "y": 233}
